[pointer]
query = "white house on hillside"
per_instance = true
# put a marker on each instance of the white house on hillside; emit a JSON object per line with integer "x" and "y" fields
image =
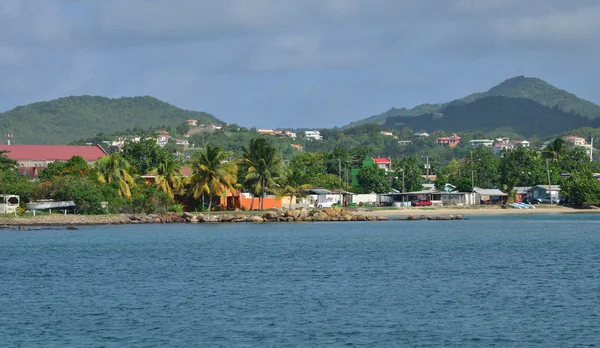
{"x": 316, "y": 135}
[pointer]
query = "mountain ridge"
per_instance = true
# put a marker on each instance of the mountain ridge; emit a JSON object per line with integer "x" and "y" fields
{"x": 521, "y": 86}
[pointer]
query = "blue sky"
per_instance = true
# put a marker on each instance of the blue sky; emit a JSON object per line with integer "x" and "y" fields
{"x": 293, "y": 63}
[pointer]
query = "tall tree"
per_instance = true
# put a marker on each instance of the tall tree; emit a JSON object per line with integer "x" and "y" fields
{"x": 6, "y": 163}
{"x": 373, "y": 180}
{"x": 555, "y": 150}
{"x": 581, "y": 189}
{"x": 484, "y": 167}
{"x": 145, "y": 155}
{"x": 169, "y": 178}
{"x": 294, "y": 182}
{"x": 114, "y": 169}
{"x": 264, "y": 166}
{"x": 408, "y": 168}
{"x": 212, "y": 174}
{"x": 75, "y": 166}
{"x": 522, "y": 167}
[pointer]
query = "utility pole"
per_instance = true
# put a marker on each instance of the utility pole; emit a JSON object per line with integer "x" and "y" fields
{"x": 549, "y": 185}
{"x": 592, "y": 150}
{"x": 427, "y": 167}
{"x": 403, "y": 196}
{"x": 472, "y": 174}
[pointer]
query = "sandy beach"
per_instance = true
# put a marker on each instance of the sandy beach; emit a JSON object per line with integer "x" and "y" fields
{"x": 466, "y": 211}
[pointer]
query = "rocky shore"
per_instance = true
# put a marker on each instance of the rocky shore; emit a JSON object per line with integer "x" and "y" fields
{"x": 298, "y": 215}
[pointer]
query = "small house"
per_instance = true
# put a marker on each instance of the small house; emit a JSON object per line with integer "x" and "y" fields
{"x": 481, "y": 142}
{"x": 545, "y": 191}
{"x": 491, "y": 196}
{"x": 450, "y": 141}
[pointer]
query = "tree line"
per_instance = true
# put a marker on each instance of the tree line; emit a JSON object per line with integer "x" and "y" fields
{"x": 120, "y": 178}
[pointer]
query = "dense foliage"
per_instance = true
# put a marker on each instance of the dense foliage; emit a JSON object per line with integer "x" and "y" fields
{"x": 67, "y": 119}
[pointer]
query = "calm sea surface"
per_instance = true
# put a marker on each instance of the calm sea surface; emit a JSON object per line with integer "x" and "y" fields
{"x": 507, "y": 281}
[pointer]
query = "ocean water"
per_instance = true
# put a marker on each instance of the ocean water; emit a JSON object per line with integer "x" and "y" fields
{"x": 511, "y": 281}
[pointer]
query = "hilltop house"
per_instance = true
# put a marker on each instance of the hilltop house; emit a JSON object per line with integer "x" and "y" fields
{"x": 32, "y": 159}
{"x": 575, "y": 141}
{"x": 192, "y": 123}
{"x": 451, "y": 141}
{"x": 162, "y": 138}
{"x": 481, "y": 142}
{"x": 422, "y": 135}
{"x": 315, "y": 135}
{"x": 388, "y": 133}
{"x": 579, "y": 142}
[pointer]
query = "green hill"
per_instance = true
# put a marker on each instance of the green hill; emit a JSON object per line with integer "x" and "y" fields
{"x": 67, "y": 119}
{"x": 517, "y": 87}
{"x": 522, "y": 116}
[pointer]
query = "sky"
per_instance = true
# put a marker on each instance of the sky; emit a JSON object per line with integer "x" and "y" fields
{"x": 293, "y": 63}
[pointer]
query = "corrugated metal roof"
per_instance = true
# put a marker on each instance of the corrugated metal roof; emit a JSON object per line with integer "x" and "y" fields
{"x": 522, "y": 189}
{"x": 552, "y": 187}
{"x": 490, "y": 192}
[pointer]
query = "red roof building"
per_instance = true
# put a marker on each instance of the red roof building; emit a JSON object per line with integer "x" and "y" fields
{"x": 384, "y": 163}
{"x": 34, "y": 158}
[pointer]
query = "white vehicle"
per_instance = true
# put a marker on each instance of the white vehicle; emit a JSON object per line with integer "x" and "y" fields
{"x": 326, "y": 204}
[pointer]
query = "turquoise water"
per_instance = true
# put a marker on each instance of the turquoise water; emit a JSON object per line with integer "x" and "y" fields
{"x": 523, "y": 281}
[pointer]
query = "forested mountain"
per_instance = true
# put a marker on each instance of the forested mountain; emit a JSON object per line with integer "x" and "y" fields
{"x": 523, "y": 116}
{"x": 63, "y": 120}
{"x": 517, "y": 87}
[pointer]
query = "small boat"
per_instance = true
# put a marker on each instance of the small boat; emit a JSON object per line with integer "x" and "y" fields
{"x": 49, "y": 204}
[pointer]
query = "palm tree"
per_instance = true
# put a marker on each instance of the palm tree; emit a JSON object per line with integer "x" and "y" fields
{"x": 294, "y": 182}
{"x": 168, "y": 177}
{"x": 212, "y": 174}
{"x": 555, "y": 150}
{"x": 264, "y": 166}
{"x": 115, "y": 169}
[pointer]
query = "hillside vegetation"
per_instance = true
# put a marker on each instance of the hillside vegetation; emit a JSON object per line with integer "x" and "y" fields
{"x": 67, "y": 119}
{"x": 530, "y": 88}
{"x": 523, "y": 116}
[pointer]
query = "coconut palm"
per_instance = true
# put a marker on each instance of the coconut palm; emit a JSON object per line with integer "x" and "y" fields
{"x": 264, "y": 166}
{"x": 294, "y": 183}
{"x": 555, "y": 150}
{"x": 212, "y": 174}
{"x": 169, "y": 178}
{"x": 116, "y": 170}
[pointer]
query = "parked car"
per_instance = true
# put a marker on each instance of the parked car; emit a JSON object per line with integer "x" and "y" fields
{"x": 326, "y": 204}
{"x": 422, "y": 203}
{"x": 554, "y": 200}
{"x": 532, "y": 200}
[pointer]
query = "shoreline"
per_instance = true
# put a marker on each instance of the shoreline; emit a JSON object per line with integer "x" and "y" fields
{"x": 469, "y": 211}
{"x": 361, "y": 214}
